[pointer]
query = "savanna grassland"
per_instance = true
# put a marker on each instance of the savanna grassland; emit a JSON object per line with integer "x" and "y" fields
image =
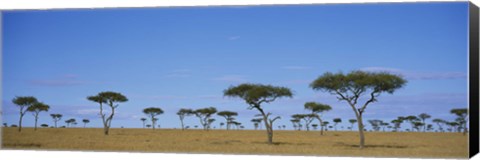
{"x": 378, "y": 144}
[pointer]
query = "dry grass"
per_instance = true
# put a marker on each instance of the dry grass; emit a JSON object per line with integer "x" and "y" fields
{"x": 379, "y": 144}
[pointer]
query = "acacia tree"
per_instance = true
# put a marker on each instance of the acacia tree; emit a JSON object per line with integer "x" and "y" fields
{"x": 294, "y": 123}
{"x": 143, "y": 121}
{"x": 462, "y": 114}
{"x": 375, "y": 124}
{"x": 413, "y": 121}
{"x": 108, "y": 98}
{"x": 423, "y": 117}
{"x": 352, "y": 121}
{"x": 151, "y": 112}
{"x": 440, "y": 123}
{"x": 356, "y": 84}
{"x": 307, "y": 118}
{"x": 204, "y": 115}
{"x": 317, "y": 109}
{"x": 397, "y": 123}
{"x": 24, "y": 103}
{"x": 70, "y": 121}
{"x": 85, "y": 121}
{"x": 56, "y": 118}
{"x": 257, "y": 94}
{"x": 417, "y": 125}
{"x": 296, "y": 119}
{"x": 256, "y": 122}
{"x": 228, "y": 115}
{"x": 182, "y": 113}
{"x": 336, "y": 121}
{"x": 325, "y": 124}
{"x": 36, "y": 109}
{"x": 210, "y": 121}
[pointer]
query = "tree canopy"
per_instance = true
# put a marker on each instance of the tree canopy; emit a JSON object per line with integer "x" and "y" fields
{"x": 256, "y": 94}
{"x": 317, "y": 107}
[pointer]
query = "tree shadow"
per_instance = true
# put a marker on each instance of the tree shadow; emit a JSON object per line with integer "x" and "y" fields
{"x": 226, "y": 142}
{"x": 26, "y": 145}
{"x": 373, "y": 146}
{"x": 282, "y": 143}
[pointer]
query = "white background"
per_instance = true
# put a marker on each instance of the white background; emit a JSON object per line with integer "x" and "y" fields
{"x": 77, "y": 155}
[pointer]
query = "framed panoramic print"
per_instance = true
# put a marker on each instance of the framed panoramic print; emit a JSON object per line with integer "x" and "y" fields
{"x": 337, "y": 80}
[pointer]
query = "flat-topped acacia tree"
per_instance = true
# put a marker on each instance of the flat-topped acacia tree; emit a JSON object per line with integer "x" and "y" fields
{"x": 336, "y": 121}
{"x": 356, "y": 84}
{"x": 182, "y": 113}
{"x": 462, "y": 114}
{"x": 352, "y": 121}
{"x": 143, "y": 121}
{"x": 204, "y": 115}
{"x": 24, "y": 103}
{"x": 36, "y": 109}
{"x": 56, "y": 118}
{"x": 110, "y": 99}
{"x": 423, "y": 117}
{"x": 228, "y": 115}
{"x": 151, "y": 112}
{"x": 257, "y": 94}
{"x": 318, "y": 109}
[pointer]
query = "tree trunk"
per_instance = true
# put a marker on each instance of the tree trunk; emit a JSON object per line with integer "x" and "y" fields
{"x": 360, "y": 128}
{"x": 36, "y": 120}
{"x": 153, "y": 123}
{"x": 181, "y": 122}
{"x": 20, "y": 123}
{"x": 55, "y": 123}
{"x": 105, "y": 130}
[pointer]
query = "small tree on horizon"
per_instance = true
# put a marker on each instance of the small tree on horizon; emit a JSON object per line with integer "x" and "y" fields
{"x": 257, "y": 94}
{"x": 256, "y": 122}
{"x": 413, "y": 121}
{"x": 24, "y": 103}
{"x": 440, "y": 123}
{"x": 336, "y": 121}
{"x": 423, "y": 117}
{"x": 108, "y": 98}
{"x": 317, "y": 109}
{"x": 152, "y": 112}
{"x": 56, "y": 118}
{"x": 204, "y": 115}
{"x": 85, "y": 121}
{"x": 182, "y": 113}
{"x": 36, "y": 109}
{"x": 462, "y": 114}
{"x": 70, "y": 121}
{"x": 352, "y": 121}
{"x": 143, "y": 121}
{"x": 228, "y": 115}
{"x": 397, "y": 123}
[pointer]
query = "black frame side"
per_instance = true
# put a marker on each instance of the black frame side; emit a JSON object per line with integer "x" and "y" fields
{"x": 473, "y": 80}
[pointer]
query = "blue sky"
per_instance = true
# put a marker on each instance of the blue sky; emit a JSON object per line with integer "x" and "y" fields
{"x": 184, "y": 57}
